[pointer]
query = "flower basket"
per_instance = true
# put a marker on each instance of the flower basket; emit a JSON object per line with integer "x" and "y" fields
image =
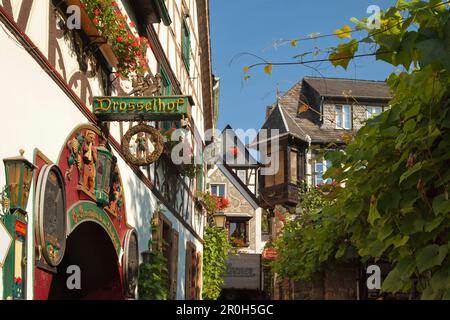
{"x": 105, "y": 25}
{"x": 94, "y": 35}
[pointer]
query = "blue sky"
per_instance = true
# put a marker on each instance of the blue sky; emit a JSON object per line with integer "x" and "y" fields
{"x": 253, "y": 26}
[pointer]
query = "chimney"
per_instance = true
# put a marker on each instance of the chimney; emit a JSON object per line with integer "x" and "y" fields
{"x": 269, "y": 110}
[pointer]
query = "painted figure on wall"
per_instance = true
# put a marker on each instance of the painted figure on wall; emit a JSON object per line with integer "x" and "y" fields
{"x": 89, "y": 160}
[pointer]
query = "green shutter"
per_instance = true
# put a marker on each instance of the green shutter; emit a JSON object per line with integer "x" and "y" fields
{"x": 186, "y": 44}
{"x": 166, "y": 84}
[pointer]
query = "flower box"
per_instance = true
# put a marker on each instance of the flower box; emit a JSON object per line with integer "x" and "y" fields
{"x": 92, "y": 32}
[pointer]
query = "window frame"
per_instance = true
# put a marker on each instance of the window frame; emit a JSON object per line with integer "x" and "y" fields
{"x": 243, "y": 221}
{"x": 167, "y": 87}
{"x": 340, "y": 116}
{"x": 218, "y": 184}
{"x": 370, "y": 115}
{"x": 326, "y": 164}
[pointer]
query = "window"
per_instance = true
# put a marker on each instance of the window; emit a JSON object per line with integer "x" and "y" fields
{"x": 237, "y": 232}
{"x": 373, "y": 111}
{"x": 320, "y": 167}
{"x": 218, "y": 190}
{"x": 293, "y": 162}
{"x": 166, "y": 88}
{"x": 278, "y": 177}
{"x": 343, "y": 117}
{"x": 186, "y": 43}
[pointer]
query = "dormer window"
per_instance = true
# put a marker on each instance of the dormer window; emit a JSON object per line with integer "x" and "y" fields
{"x": 343, "y": 117}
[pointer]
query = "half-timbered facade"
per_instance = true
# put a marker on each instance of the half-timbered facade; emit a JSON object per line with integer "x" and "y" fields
{"x": 315, "y": 115}
{"x": 51, "y": 76}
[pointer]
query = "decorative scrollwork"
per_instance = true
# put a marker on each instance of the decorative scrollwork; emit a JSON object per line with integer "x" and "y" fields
{"x": 142, "y": 156}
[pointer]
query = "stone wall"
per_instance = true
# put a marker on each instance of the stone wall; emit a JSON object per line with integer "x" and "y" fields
{"x": 238, "y": 204}
{"x": 359, "y": 116}
{"x": 337, "y": 283}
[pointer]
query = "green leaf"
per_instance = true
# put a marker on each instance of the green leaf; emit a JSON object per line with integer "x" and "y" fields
{"x": 373, "y": 212}
{"x": 430, "y": 256}
{"x": 411, "y": 171}
{"x": 441, "y": 204}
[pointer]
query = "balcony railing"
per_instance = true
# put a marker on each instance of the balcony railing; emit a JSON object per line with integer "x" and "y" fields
{"x": 285, "y": 194}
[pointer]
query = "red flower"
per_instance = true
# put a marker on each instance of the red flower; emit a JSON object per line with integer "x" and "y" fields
{"x": 95, "y": 21}
{"x": 97, "y": 12}
{"x": 83, "y": 6}
{"x": 122, "y": 25}
{"x": 132, "y": 24}
{"x": 115, "y": 4}
{"x": 234, "y": 151}
{"x": 119, "y": 39}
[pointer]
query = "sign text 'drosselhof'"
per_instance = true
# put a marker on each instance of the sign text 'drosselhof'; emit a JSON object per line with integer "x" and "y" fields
{"x": 142, "y": 108}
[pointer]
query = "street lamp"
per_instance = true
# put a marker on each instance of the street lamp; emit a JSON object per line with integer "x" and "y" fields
{"x": 19, "y": 173}
{"x": 220, "y": 219}
{"x": 103, "y": 179}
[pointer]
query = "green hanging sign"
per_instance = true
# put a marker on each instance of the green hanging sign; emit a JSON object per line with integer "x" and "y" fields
{"x": 142, "y": 108}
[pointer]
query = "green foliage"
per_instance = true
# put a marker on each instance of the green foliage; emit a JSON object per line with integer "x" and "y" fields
{"x": 307, "y": 241}
{"x": 395, "y": 204}
{"x": 153, "y": 278}
{"x": 215, "y": 255}
{"x": 153, "y": 274}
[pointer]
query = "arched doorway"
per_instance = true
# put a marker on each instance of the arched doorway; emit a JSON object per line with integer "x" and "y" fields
{"x": 90, "y": 248}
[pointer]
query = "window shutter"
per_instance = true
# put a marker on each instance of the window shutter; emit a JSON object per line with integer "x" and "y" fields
{"x": 199, "y": 276}
{"x": 174, "y": 265}
{"x": 187, "y": 271}
{"x": 193, "y": 274}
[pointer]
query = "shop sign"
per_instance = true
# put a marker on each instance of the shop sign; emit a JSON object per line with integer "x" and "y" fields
{"x": 51, "y": 214}
{"x": 141, "y": 108}
{"x": 243, "y": 272}
{"x": 84, "y": 211}
{"x": 5, "y": 243}
{"x": 131, "y": 262}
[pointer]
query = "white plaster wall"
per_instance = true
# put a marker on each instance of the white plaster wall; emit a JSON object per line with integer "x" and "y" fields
{"x": 35, "y": 113}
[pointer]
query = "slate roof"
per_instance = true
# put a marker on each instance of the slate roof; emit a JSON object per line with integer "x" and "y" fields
{"x": 307, "y": 125}
{"x": 362, "y": 89}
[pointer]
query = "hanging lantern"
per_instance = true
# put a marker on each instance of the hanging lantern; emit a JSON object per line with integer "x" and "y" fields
{"x": 220, "y": 219}
{"x": 104, "y": 167}
{"x": 19, "y": 173}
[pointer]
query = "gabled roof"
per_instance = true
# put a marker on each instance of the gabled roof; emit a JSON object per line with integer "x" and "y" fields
{"x": 243, "y": 158}
{"x": 359, "y": 89}
{"x": 307, "y": 125}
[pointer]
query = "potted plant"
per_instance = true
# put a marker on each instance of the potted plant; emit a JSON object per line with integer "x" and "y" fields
{"x": 103, "y": 22}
